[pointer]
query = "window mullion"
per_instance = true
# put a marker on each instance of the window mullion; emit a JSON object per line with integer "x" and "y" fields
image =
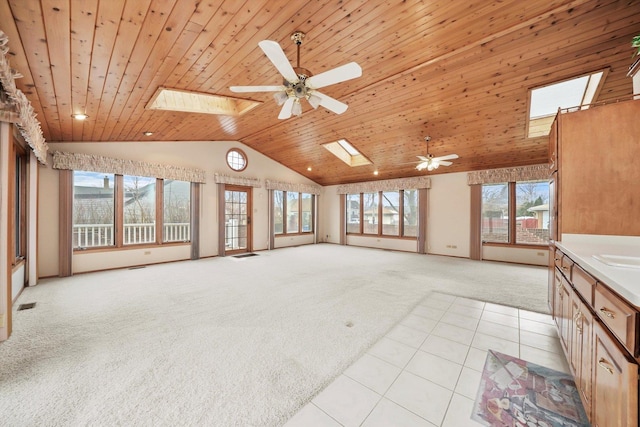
{"x": 379, "y": 213}
{"x": 159, "y": 210}
{"x": 119, "y": 211}
{"x": 512, "y": 213}
{"x": 299, "y": 213}
{"x": 285, "y": 214}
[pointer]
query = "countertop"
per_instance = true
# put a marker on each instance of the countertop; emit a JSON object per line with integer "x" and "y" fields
{"x": 623, "y": 280}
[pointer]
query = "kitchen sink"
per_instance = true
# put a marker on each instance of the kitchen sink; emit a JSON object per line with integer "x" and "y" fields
{"x": 619, "y": 260}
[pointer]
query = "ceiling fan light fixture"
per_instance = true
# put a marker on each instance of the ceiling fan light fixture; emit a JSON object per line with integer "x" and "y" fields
{"x": 314, "y": 101}
{"x": 280, "y": 97}
{"x": 297, "y": 108}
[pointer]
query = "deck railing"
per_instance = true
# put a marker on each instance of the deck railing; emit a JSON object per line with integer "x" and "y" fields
{"x": 94, "y": 235}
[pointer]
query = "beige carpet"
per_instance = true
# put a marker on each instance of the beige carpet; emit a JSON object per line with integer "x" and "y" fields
{"x": 222, "y": 341}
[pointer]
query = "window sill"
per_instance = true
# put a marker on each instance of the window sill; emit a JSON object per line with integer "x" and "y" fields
{"x": 128, "y": 247}
{"x": 516, "y": 245}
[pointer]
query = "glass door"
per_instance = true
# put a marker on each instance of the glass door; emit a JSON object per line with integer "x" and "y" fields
{"x": 237, "y": 220}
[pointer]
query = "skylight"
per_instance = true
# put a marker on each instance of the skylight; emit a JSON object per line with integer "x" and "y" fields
{"x": 575, "y": 93}
{"x": 197, "y": 102}
{"x": 346, "y": 152}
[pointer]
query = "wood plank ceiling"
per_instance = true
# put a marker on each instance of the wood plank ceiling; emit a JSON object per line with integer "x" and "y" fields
{"x": 457, "y": 70}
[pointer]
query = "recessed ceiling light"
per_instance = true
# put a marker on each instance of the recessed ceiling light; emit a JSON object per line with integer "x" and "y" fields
{"x": 309, "y": 168}
{"x": 80, "y": 116}
{"x": 147, "y": 133}
{"x": 375, "y": 173}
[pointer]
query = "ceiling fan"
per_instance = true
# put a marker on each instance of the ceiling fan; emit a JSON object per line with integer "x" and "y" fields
{"x": 430, "y": 163}
{"x": 299, "y": 83}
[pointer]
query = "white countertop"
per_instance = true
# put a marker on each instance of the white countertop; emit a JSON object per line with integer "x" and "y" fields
{"x": 623, "y": 280}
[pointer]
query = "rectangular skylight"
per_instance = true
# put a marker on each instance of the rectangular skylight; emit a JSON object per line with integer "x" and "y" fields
{"x": 576, "y": 93}
{"x": 197, "y": 102}
{"x": 346, "y": 152}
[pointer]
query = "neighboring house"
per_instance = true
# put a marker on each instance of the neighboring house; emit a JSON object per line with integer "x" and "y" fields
{"x": 541, "y": 213}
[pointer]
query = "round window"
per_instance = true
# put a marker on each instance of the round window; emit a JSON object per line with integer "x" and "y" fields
{"x": 236, "y": 159}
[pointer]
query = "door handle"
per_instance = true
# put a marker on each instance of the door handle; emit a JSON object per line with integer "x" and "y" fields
{"x": 605, "y": 365}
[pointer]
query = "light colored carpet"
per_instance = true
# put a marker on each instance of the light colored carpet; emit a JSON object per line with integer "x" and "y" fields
{"x": 222, "y": 341}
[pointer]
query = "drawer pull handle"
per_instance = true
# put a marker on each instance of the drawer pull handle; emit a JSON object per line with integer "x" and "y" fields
{"x": 607, "y": 313}
{"x": 565, "y": 268}
{"x": 603, "y": 364}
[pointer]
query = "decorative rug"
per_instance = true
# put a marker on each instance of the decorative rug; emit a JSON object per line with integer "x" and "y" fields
{"x": 516, "y": 393}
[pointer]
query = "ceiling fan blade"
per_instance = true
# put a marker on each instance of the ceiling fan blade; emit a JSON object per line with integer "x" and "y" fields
{"x": 331, "y": 104}
{"x": 287, "y": 108}
{"x": 277, "y": 57}
{"x": 423, "y": 158}
{"x": 447, "y": 157}
{"x": 340, "y": 74}
{"x": 444, "y": 163}
{"x": 242, "y": 89}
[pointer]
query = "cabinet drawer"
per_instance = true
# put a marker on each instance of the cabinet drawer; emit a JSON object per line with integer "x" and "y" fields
{"x": 557, "y": 258}
{"x": 619, "y": 316}
{"x": 565, "y": 266}
{"x": 584, "y": 283}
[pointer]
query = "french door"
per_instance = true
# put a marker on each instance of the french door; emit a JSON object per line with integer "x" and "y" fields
{"x": 237, "y": 219}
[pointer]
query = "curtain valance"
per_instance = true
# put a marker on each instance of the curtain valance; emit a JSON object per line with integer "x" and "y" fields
{"x": 95, "y": 163}
{"x": 522, "y": 173}
{"x": 386, "y": 185}
{"x": 289, "y": 186}
{"x": 238, "y": 180}
{"x": 21, "y": 113}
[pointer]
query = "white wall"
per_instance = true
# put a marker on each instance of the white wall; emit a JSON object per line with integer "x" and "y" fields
{"x": 534, "y": 256}
{"x": 449, "y": 215}
{"x": 287, "y": 241}
{"x": 207, "y": 155}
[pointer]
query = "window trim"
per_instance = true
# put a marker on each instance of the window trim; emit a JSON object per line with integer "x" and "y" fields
{"x": 379, "y": 234}
{"x": 512, "y": 226}
{"x": 118, "y": 220}
{"x": 242, "y": 154}
{"x": 284, "y": 214}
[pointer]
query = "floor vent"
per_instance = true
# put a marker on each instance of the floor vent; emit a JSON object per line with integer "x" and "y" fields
{"x": 245, "y": 255}
{"x": 26, "y": 306}
{"x": 137, "y": 267}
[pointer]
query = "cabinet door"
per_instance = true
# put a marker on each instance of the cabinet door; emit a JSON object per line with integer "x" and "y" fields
{"x": 582, "y": 350}
{"x": 562, "y": 311}
{"x": 615, "y": 383}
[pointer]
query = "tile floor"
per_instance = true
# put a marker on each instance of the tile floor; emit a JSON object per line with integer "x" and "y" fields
{"x": 426, "y": 370}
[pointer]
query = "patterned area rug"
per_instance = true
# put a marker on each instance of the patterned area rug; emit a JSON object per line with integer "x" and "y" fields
{"x": 516, "y": 393}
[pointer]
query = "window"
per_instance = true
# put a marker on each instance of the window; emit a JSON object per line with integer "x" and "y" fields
{"x": 176, "y": 211}
{"x": 19, "y": 208}
{"x": 385, "y": 213}
{"x": 410, "y": 213}
{"x": 278, "y": 210}
{"x": 516, "y": 213}
{"x": 292, "y": 212}
{"x": 139, "y": 201}
{"x": 138, "y": 215}
{"x": 93, "y": 209}
{"x": 236, "y": 159}
{"x": 576, "y": 93}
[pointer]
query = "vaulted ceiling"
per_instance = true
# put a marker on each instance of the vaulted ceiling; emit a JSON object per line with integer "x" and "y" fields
{"x": 456, "y": 70}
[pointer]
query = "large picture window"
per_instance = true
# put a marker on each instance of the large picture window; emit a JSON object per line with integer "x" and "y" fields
{"x": 516, "y": 213}
{"x": 384, "y": 213}
{"x": 292, "y": 212}
{"x": 115, "y": 210}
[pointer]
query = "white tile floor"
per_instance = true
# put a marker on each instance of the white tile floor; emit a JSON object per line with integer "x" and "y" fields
{"x": 426, "y": 370}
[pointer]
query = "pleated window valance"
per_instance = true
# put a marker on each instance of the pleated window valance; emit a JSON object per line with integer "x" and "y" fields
{"x": 289, "y": 186}
{"x": 522, "y": 173}
{"x": 386, "y": 185}
{"x": 95, "y": 163}
{"x": 238, "y": 180}
{"x": 21, "y": 113}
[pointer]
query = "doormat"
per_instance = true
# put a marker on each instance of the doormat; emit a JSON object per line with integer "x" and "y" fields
{"x": 515, "y": 393}
{"x": 245, "y": 255}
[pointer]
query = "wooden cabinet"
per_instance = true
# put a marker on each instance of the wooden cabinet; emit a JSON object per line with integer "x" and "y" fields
{"x": 597, "y": 182}
{"x": 615, "y": 383}
{"x": 598, "y": 331}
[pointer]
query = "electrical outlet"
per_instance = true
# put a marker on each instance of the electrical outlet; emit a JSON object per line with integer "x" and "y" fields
{"x": 540, "y": 253}
{"x": 147, "y": 252}
{"x": 454, "y": 246}
{"x": 449, "y": 246}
